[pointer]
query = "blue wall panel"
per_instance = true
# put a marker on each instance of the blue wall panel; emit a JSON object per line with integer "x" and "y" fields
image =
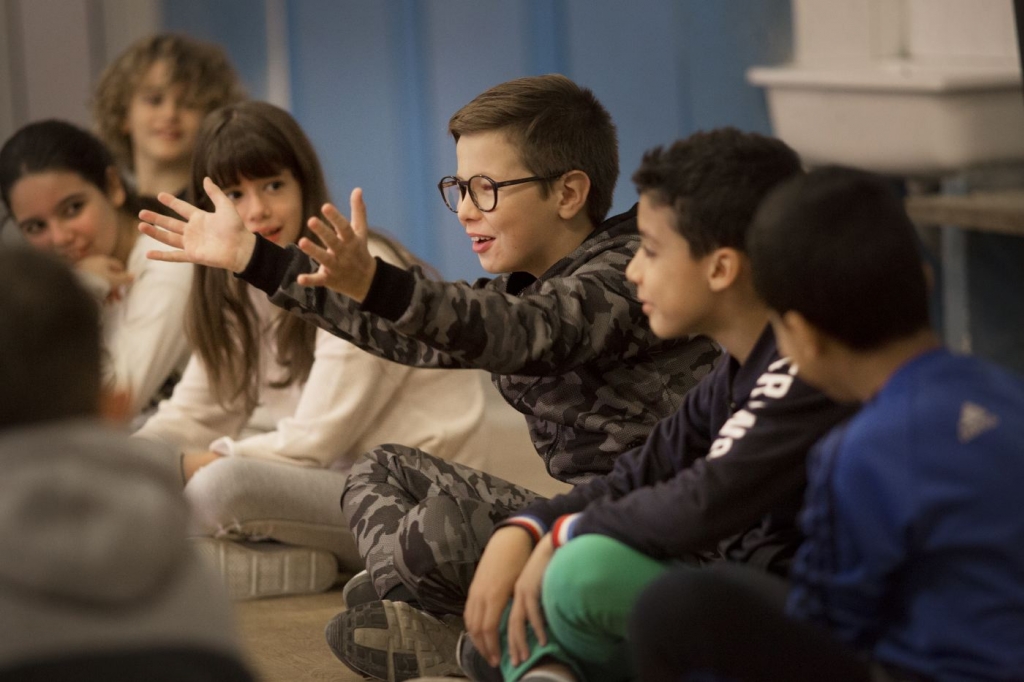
{"x": 239, "y": 26}
{"x": 626, "y": 54}
{"x": 374, "y": 82}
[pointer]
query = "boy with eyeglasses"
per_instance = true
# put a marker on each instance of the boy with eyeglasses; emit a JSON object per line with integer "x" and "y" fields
{"x": 561, "y": 330}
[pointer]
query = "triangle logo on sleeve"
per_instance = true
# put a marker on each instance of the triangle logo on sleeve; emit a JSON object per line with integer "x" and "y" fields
{"x": 974, "y": 421}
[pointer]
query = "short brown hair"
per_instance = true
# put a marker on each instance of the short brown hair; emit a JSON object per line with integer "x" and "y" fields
{"x": 556, "y": 125}
{"x": 209, "y": 79}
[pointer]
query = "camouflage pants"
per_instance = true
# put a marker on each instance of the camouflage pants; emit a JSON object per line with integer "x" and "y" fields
{"x": 423, "y": 522}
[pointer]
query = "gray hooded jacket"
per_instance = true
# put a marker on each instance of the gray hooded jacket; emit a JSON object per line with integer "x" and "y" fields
{"x": 93, "y": 556}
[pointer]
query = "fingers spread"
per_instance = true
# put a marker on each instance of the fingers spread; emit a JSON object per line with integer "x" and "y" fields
{"x": 162, "y": 221}
{"x": 315, "y": 251}
{"x": 358, "y": 207}
{"x": 327, "y": 236}
{"x": 179, "y": 206}
{"x": 169, "y": 256}
{"x": 162, "y": 236}
{"x": 216, "y": 194}
{"x": 320, "y": 278}
{"x": 342, "y": 227}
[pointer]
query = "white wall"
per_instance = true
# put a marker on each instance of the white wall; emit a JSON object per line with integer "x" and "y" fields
{"x": 53, "y": 51}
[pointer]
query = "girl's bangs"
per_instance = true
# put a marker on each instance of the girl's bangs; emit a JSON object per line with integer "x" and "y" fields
{"x": 237, "y": 154}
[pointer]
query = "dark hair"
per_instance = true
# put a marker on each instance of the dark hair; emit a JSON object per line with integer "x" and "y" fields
{"x": 714, "y": 182}
{"x": 247, "y": 140}
{"x": 556, "y": 126}
{"x": 201, "y": 68}
{"x": 837, "y": 247}
{"x": 57, "y": 146}
{"x": 252, "y": 140}
{"x": 50, "y": 341}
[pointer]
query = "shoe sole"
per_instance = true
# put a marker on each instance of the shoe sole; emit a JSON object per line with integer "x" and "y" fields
{"x": 253, "y": 570}
{"x": 393, "y": 641}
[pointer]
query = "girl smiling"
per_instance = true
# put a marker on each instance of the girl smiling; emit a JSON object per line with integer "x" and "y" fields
{"x": 65, "y": 195}
{"x": 271, "y": 412}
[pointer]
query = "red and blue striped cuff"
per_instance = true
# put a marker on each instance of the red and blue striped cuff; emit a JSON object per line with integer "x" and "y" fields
{"x": 531, "y": 525}
{"x": 561, "y": 532}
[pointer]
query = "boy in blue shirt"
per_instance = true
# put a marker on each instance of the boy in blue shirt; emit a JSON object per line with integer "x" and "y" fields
{"x": 913, "y": 564}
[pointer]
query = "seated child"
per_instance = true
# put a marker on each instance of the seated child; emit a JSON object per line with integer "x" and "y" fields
{"x": 96, "y": 579}
{"x": 560, "y": 329}
{"x": 271, "y": 412}
{"x": 149, "y": 103}
{"x": 720, "y": 480}
{"x": 913, "y": 566}
{"x": 62, "y": 189}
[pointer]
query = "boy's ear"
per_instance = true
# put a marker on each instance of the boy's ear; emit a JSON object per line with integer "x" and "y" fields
{"x": 116, "y": 191}
{"x": 572, "y": 189}
{"x": 115, "y": 406}
{"x": 723, "y": 268}
{"x": 810, "y": 341}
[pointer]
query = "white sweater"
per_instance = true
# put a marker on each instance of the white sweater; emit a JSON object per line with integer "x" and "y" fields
{"x": 351, "y": 402}
{"x": 144, "y": 332}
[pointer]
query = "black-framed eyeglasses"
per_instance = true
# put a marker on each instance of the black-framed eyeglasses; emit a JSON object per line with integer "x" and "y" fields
{"x": 482, "y": 190}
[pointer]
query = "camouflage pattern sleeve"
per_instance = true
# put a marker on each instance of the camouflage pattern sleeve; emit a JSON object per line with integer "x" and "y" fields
{"x": 552, "y": 326}
{"x": 343, "y": 317}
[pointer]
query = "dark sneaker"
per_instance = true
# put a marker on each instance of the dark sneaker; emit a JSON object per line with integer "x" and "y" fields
{"x": 252, "y": 570}
{"x": 393, "y": 641}
{"x": 473, "y": 663}
{"x": 359, "y": 590}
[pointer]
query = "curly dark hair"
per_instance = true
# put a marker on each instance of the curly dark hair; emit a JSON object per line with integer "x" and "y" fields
{"x": 714, "y": 181}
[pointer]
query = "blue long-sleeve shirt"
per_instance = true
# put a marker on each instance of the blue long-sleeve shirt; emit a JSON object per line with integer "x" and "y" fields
{"x": 915, "y": 530}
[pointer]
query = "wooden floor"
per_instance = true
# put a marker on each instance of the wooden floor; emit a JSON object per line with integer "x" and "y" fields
{"x": 284, "y": 638}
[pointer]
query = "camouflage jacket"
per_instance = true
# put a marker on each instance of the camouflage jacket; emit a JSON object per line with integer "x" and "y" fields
{"x": 572, "y": 350}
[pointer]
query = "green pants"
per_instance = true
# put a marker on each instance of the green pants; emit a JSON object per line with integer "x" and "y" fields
{"x": 588, "y": 593}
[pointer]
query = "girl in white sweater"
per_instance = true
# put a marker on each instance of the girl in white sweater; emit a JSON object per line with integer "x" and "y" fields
{"x": 64, "y": 193}
{"x": 271, "y": 413}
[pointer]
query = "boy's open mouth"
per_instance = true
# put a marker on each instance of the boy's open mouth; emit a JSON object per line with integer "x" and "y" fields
{"x": 481, "y": 244}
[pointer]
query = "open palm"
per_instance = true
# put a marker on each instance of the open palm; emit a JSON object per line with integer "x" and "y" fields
{"x": 217, "y": 239}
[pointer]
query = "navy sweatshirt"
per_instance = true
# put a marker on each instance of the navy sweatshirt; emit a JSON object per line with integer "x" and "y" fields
{"x": 723, "y": 477}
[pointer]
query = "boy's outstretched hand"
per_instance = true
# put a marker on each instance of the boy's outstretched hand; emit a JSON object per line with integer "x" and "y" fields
{"x": 217, "y": 239}
{"x": 346, "y": 265}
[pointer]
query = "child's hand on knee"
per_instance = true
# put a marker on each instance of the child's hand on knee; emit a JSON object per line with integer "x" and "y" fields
{"x": 526, "y": 602}
{"x": 503, "y": 559}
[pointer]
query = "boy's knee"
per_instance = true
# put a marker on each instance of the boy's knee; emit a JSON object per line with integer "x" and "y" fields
{"x": 431, "y": 535}
{"x": 439, "y": 545}
{"x": 585, "y": 569}
{"x": 378, "y": 465}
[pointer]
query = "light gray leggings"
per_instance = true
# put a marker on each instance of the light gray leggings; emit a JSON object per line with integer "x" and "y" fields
{"x": 240, "y": 498}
